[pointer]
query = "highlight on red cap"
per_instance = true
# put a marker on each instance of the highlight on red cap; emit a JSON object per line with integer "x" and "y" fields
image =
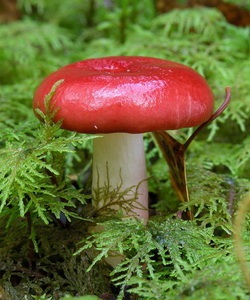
{"x": 131, "y": 94}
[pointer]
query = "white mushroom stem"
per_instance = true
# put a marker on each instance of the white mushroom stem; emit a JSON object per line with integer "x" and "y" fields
{"x": 119, "y": 164}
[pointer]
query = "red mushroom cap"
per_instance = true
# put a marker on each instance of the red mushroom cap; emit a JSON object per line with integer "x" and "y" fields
{"x": 127, "y": 94}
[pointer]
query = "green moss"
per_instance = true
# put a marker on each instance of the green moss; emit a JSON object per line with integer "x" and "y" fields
{"x": 44, "y": 193}
{"x": 53, "y": 270}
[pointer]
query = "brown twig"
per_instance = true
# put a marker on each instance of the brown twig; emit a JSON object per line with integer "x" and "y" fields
{"x": 174, "y": 152}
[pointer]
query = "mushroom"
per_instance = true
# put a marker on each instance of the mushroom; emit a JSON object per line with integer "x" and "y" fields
{"x": 121, "y": 98}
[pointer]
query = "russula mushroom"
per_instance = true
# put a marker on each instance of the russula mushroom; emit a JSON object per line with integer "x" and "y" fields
{"x": 121, "y": 98}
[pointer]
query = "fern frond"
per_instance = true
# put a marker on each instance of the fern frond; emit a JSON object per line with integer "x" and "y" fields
{"x": 213, "y": 281}
{"x": 164, "y": 243}
{"x": 233, "y": 157}
{"x": 199, "y": 20}
{"x": 25, "y": 175}
{"x": 27, "y": 43}
{"x": 29, "y": 171}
